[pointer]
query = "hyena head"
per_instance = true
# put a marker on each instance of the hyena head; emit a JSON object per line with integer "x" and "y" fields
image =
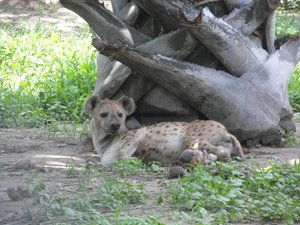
{"x": 109, "y": 115}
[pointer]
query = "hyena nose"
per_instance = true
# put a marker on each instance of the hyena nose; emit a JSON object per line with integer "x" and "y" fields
{"x": 114, "y": 126}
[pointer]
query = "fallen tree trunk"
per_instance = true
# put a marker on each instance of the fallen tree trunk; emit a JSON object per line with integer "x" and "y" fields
{"x": 234, "y": 50}
{"x": 156, "y": 40}
{"x": 259, "y": 117}
{"x": 177, "y": 44}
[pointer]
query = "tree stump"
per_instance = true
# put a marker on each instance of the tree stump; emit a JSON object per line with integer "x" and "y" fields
{"x": 196, "y": 59}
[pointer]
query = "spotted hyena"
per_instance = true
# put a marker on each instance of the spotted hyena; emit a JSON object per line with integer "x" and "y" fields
{"x": 166, "y": 142}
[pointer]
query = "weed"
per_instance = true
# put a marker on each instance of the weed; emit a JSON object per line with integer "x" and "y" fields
{"x": 290, "y": 138}
{"x": 233, "y": 196}
{"x": 133, "y": 166}
{"x": 291, "y": 5}
{"x": 128, "y": 167}
{"x": 72, "y": 168}
{"x": 70, "y": 130}
{"x": 114, "y": 193}
{"x": 31, "y": 177}
{"x": 96, "y": 193}
{"x": 294, "y": 90}
{"x": 297, "y": 165}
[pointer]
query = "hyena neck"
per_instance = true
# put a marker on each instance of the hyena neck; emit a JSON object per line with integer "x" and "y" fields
{"x": 104, "y": 143}
{"x": 102, "y": 140}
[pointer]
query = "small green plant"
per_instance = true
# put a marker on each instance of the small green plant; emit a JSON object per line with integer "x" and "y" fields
{"x": 114, "y": 193}
{"x": 34, "y": 182}
{"x": 294, "y": 90}
{"x": 67, "y": 130}
{"x": 73, "y": 168}
{"x": 127, "y": 167}
{"x": 297, "y": 164}
{"x": 290, "y": 138}
{"x": 31, "y": 177}
{"x": 133, "y": 166}
{"x": 291, "y": 5}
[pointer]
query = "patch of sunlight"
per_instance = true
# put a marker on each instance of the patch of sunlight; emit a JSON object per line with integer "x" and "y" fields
{"x": 57, "y": 157}
{"x": 294, "y": 161}
{"x": 55, "y": 163}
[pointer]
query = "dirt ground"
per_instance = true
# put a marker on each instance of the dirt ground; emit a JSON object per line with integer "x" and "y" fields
{"x": 24, "y": 152}
{"x": 27, "y": 151}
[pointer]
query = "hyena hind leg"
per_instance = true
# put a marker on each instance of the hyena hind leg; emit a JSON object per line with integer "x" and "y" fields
{"x": 222, "y": 153}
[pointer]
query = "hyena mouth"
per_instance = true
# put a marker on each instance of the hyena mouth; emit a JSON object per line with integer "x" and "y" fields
{"x": 111, "y": 132}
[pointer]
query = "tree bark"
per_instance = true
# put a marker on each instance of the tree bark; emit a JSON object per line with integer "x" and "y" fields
{"x": 234, "y": 50}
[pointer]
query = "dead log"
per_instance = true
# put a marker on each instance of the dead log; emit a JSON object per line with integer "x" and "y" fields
{"x": 248, "y": 94}
{"x": 112, "y": 74}
{"x": 165, "y": 11}
{"x": 237, "y": 53}
{"x": 104, "y": 23}
{"x": 129, "y": 13}
{"x": 118, "y": 5}
{"x": 241, "y": 21}
{"x": 242, "y": 104}
{"x": 249, "y": 17}
{"x": 236, "y": 4}
{"x": 268, "y": 35}
{"x": 177, "y": 44}
{"x": 108, "y": 27}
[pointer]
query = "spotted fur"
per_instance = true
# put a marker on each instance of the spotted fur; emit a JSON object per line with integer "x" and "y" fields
{"x": 162, "y": 142}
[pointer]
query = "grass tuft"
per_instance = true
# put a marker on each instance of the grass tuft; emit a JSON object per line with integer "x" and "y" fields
{"x": 294, "y": 90}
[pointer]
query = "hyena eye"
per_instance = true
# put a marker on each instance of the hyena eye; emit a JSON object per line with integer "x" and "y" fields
{"x": 120, "y": 114}
{"x": 103, "y": 115}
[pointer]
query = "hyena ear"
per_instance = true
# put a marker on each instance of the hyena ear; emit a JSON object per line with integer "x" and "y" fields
{"x": 91, "y": 103}
{"x": 128, "y": 104}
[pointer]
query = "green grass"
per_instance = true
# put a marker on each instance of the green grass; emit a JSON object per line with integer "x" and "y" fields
{"x": 222, "y": 193}
{"x": 232, "y": 195}
{"x": 294, "y": 89}
{"x": 287, "y": 24}
{"x": 44, "y": 76}
{"x": 98, "y": 197}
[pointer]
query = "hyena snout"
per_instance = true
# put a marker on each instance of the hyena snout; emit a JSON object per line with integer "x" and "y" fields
{"x": 114, "y": 127}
